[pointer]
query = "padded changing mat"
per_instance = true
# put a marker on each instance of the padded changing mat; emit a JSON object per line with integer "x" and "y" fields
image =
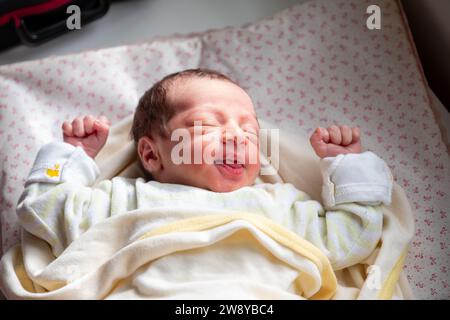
{"x": 308, "y": 66}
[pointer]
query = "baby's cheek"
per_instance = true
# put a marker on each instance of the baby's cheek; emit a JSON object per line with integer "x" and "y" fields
{"x": 209, "y": 152}
{"x": 252, "y": 154}
{"x": 196, "y": 147}
{"x": 253, "y": 172}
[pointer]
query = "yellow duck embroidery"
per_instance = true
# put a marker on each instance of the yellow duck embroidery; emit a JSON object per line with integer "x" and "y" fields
{"x": 53, "y": 172}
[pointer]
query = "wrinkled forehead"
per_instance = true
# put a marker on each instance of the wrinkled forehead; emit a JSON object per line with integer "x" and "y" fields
{"x": 193, "y": 92}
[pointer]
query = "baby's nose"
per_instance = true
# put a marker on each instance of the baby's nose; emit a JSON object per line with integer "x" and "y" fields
{"x": 235, "y": 136}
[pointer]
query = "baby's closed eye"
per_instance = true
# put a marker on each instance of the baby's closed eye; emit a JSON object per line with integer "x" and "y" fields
{"x": 202, "y": 123}
{"x": 252, "y": 131}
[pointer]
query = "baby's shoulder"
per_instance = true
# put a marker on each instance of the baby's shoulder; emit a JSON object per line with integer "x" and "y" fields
{"x": 118, "y": 180}
{"x": 284, "y": 194}
{"x": 281, "y": 190}
{"x": 274, "y": 186}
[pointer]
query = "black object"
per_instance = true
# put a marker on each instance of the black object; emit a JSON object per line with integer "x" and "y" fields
{"x": 33, "y": 22}
{"x": 428, "y": 21}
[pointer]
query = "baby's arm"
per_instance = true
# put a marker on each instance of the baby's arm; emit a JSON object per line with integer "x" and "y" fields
{"x": 59, "y": 202}
{"x": 349, "y": 226}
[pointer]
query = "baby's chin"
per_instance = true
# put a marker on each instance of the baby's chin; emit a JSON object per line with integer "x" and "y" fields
{"x": 223, "y": 186}
{"x": 220, "y": 182}
{"x": 227, "y": 188}
{"x": 212, "y": 178}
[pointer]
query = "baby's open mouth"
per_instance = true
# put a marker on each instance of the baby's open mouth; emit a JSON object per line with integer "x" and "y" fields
{"x": 229, "y": 162}
{"x": 230, "y": 167}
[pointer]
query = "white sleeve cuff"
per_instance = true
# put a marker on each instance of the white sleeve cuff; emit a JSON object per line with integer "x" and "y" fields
{"x": 356, "y": 177}
{"x": 58, "y": 162}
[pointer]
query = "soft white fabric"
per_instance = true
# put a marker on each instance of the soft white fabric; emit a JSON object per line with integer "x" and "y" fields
{"x": 58, "y": 205}
{"x": 351, "y": 178}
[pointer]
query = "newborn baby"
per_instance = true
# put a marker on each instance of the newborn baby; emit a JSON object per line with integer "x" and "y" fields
{"x": 60, "y": 202}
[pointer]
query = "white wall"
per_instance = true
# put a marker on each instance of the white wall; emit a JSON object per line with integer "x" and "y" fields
{"x": 136, "y": 20}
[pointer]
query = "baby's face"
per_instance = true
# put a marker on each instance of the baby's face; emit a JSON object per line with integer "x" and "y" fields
{"x": 228, "y": 132}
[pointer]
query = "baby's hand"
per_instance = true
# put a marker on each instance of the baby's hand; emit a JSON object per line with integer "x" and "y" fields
{"x": 88, "y": 132}
{"x": 335, "y": 140}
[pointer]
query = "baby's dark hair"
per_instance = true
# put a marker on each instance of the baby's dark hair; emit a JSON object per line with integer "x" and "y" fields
{"x": 154, "y": 111}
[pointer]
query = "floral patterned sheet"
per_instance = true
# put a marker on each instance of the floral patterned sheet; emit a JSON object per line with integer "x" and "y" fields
{"x": 310, "y": 65}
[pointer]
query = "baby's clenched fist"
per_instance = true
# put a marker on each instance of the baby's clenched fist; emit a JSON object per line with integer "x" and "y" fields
{"x": 88, "y": 132}
{"x": 336, "y": 140}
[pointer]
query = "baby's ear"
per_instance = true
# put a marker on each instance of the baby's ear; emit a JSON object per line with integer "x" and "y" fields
{"x": 148, "y": 153}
